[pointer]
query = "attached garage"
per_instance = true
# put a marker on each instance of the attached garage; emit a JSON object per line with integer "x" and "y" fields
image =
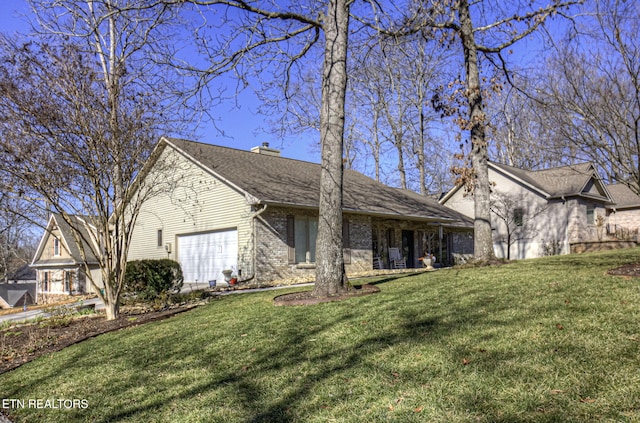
{"x": 204, "y": 256}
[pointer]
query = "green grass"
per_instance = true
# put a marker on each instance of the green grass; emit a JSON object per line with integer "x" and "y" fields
{"x": 542, "y": 340}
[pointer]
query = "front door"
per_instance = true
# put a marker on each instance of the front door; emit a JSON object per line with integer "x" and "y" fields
{"x": 407, "y": 248}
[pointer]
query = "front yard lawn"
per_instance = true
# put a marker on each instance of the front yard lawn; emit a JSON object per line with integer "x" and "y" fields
{"x": 554, "y": 339}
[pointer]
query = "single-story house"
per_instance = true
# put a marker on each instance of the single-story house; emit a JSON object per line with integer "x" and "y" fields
{"x": 58, "y": 260}
{"x": 256, "y": 213}
{"x": 543, "y": 212}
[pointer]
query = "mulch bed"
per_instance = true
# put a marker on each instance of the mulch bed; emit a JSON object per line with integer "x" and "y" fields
{"x": 23, "y": 343}
{"x": 307, "y": 298}
{"x": 629, "y": 270}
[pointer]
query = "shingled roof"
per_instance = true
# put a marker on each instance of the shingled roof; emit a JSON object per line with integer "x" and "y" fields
{"x": 558, "y": 182}
{"x": 564, "y": 181}
{"x": 623, "y": 196}
{"x": 269, "y": 179}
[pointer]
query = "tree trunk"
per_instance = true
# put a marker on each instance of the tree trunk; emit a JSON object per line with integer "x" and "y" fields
{"x": 483, "y": 240}
{"x": 330, "y": 273}
{"x": 401, "y": 171}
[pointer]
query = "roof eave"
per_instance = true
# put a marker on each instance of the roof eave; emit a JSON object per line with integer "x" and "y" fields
{"x": 365, "y": 212}
{"x": 532, "y": 187}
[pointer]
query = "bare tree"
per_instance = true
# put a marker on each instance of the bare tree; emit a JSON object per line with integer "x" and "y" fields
{"x": 17, "y": 239}
{"x": 590, "y": 98}
{"x": 277, "y": 38}
{"x": 520, "y": 137}
{"x": 81, "y": 113}
{"x": 516, "y": 216}
{"x": 501, "y": 26}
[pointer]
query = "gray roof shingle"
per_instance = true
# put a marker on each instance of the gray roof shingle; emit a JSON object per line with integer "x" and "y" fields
{"x": 556, "y": 182}
{"x": 14, "y": 294}
{"x": 623, "y": 196}
{"x": 283, "y": 181}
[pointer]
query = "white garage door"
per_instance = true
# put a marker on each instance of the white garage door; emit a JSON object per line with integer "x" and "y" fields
{"x": 204, "y": 256}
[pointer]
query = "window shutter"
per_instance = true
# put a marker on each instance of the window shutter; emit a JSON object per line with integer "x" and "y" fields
{"x": 346, "y": 241}
{"x": 291, "y": 239}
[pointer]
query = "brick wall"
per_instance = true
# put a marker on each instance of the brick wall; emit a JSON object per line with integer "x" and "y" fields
{"x": 272, "y": 252}
{"x": 272, "y": 259}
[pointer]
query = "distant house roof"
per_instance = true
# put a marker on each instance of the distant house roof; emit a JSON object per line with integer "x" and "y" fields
{"x": 271, "y": 179}
{"x": 566, "y": 181}
{"x": 623, "y": 196}
{"x": 16, "y": 294}
{"x": 83, "y": 226}
{"x": 24, "y": 273}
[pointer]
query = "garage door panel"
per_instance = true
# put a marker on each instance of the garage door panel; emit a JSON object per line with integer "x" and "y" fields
{"x": 204, "y": 256}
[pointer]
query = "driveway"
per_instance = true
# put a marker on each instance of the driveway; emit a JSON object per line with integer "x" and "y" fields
{"x": 33, "y": 314}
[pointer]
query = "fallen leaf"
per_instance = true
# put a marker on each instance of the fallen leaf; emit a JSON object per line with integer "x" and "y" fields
{"x": 587, "y": 400}
{"x": 390, "y": 407}
{"x": 399, "y": 400}
{"x": 465, "y": 361}
{"x": 559, "y": 326}
{"x": 417, "y": 410}
{"x": 556, "y": 391}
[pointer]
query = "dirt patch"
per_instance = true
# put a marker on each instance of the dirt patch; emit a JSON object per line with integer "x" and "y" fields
{"x": 628, "y": 270}
{"x": 23, "y": 343}
{"x": 306, "y": 297}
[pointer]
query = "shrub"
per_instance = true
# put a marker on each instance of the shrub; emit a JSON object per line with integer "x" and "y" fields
{"x": 148, "y": 279}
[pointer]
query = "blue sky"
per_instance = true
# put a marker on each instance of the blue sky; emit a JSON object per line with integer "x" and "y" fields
{"x": 243, "y": 128}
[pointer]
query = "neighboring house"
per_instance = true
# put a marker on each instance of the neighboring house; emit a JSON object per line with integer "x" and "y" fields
{"x": 536, "y": 213}
{"x": 58, "y": 260}
{"x": 17, "y": 294}
{"x": 256, "y": 213}
{"x": 20, "y": 288}
{"x": 624, "y": 216}
{"x": 24, "y": 274}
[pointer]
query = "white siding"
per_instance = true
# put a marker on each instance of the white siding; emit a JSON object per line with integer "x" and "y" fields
{"x": 462, "y": 203}
{"x": 548, "y": 227}
{"x": 197, "y": 203}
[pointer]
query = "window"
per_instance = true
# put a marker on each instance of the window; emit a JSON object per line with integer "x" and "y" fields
{"x": 591, "y": 214}
{"x": 68, "y": 281}
{"x": 159, "y": 237}
{"x": 306, "y": 234}
{"x": 302, "y": 234}
{"x": 46, "y": 277}
{"x": 56, "y": 247}
{"x": 518, "y": 216}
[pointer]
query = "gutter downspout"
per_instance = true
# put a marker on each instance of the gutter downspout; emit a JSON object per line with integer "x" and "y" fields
{"x": 567, "y": 248}
{"x": 253, "y": 218}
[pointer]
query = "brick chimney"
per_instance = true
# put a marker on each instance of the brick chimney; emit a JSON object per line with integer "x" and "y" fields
{"x": 264, "y": 149}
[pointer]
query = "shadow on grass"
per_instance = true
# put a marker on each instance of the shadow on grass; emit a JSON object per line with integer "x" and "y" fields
{"x": 243, "y": 382}
{"x": 278, "y": 372}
